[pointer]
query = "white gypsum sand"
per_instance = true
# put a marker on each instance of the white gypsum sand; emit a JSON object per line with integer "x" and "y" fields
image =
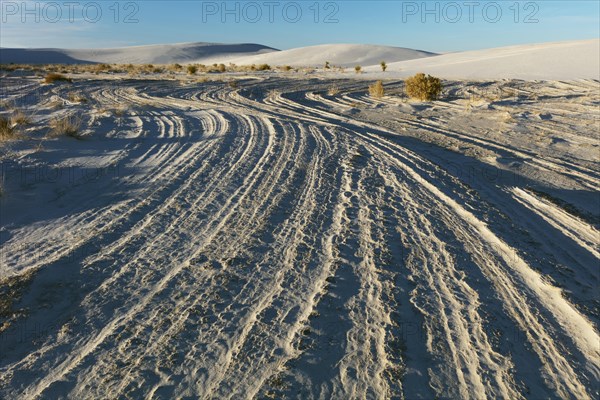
{"x": 291, "y": 236}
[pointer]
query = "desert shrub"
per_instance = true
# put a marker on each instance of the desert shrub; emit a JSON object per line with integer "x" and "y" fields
{"x": 176, "y": 67}
{"x": 423, "y": 87}
{"x": 327, "y": 66}
{"x": 383, "y": 66}
{"x": 101, "y": 67}
{"x": 192, "y": 69}
{"x": 221, "y": 68}
{"x": 233, "y": 84}
{"x": 54, "y": 77}
{"x": 65, "y": 126}
{"x": 376, "y": 89}
{"x": 358, "y": 69}
{"x": 7, "y": 130}
{"x": 286, "y": 68}
{"x": 333, "y": 90}
{"x": 263, "y": 67}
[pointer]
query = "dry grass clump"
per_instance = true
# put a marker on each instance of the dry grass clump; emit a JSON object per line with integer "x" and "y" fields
{"x": 119, "y": 112}
{"x": 19, "y": 118}
{"x": 273, "y": 94}
{"x": 423, "y": 87}
{"x": 75, "y": 97}
{"x": 101, "y": 68}
{"x": 56, "y": 77}
{"x": 7, "y": 104}
{"x": 333, "y": 90}
{"x": 175, "y": 67}
{"x": 358, "y": 69}
{"x": 192, "y": 69}
{"x": 11, "y": 290}
{"x": 56, "y": 104}
{"x": 66, "y": 126}
{"x": 286, "y": 68}
{"x": 7, "y": 129}
{"x": 376, "y": 90}
{"x": 263, "y": 67}
{"x": 8, "y": 126}
{"x": 9, "y": 67}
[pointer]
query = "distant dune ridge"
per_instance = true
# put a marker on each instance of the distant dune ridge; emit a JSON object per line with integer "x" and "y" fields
{"x": 152, "y": 54}
{"x": 346, "y": 55}
{"x": 558, "y": 60}
{"x": 545, "y": 61}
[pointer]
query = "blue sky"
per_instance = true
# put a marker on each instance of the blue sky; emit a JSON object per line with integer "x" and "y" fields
{"x": 439, "y": 26}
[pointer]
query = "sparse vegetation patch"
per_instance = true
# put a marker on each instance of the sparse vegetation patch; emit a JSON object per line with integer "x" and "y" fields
{"x": 66, "y": 126}
{"x": 53, "y": 77}
{"x": 423, "y": 87}
{"x": 376, "y": 90}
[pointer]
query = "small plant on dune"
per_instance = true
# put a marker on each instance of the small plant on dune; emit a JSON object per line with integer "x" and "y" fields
{"x": 66, "y": 126}
{"x": 118, "y": 112}
{"x": 286, "y": 68}
{"x": 7, "y": 129}
{"x": 423, "y": 87}
{"x": 263, "y": 67}
{"x": 383, "y": 66}
{"x": 7, "y": 104}
{"x": 358, "y": 69}
{"x": 273, "y": 93}
{"x": 19, "y": 118}
{"x": 327, "y": 66}
{"x": 101, "y": 68}
{"x": 221, "y": 68}
{"x": 55, "y": 104}
{"x": 192, "y": 69}
{"x": 333, "y": 90}
{"x": 75, "y": 97}
{"x": 54, "y": 77}
{"x": 376, "y": 90}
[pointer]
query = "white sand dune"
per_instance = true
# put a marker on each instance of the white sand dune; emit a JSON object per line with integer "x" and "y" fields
{"x": 155, "y": 54}
{"x": 208, "y": 53}
{"x": 347, "y": 55}
{"x": 546, "y": 61}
